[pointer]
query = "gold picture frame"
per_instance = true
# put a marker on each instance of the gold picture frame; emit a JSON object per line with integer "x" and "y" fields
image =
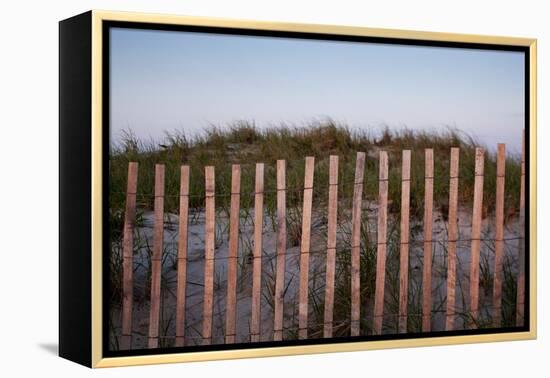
{"x": 94, "y": 21}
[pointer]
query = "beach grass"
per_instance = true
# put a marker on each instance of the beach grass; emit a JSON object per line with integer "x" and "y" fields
{"x": 245, "y": 144}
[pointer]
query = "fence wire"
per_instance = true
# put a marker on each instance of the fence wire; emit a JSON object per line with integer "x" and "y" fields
{"x": 293, "y": 193}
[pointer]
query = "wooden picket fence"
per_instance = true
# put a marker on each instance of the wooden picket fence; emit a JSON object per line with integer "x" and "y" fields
{"x": 281, "y": 246}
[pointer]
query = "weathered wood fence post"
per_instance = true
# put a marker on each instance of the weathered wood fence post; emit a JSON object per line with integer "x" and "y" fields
{"x": 499, "y": 235}
{"x": 209, "y": 246}
{"x": 520, "y": 296}
{"x": 476, "y": 235}
{"x": 255, "y": 321}
{"x": 182, "y": 255}
{"x": 304, "y": 249}
{"x": 128, "y": 257}
{"x": 332, "y": 219}
{"x": 233, "y": 253}
{"x": 428, "y": 242}
{"x": 381, "y": 243}
{"x": 452, "y": 239}
{"x": 404, "y": 242}
{"x": 281, "y": 251}
{"x": 156, "y": 258}
{"x": 356, "y": 245}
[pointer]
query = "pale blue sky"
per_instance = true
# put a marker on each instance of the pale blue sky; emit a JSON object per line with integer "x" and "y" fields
{"x": 167, "y": 80}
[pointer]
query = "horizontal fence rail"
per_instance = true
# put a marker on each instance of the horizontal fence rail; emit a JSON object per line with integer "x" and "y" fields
{"x": 383, "y": 318}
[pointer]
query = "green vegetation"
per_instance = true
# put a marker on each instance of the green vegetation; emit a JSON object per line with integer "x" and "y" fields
{"x": 243, "y": 143}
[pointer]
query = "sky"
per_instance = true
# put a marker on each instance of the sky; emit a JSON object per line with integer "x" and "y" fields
{"x": 171, "y": 80}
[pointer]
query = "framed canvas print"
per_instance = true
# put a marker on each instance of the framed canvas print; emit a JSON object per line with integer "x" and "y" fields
{"x": 236, "y": 189}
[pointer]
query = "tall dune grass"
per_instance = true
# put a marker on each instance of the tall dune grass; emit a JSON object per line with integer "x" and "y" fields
{"x": 243, "y": 143}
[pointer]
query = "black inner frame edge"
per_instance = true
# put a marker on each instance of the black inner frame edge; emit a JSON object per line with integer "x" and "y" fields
{"x": 107, "y": 25}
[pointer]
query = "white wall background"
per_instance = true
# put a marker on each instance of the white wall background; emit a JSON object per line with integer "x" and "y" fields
{"x": 29, "y": 189}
